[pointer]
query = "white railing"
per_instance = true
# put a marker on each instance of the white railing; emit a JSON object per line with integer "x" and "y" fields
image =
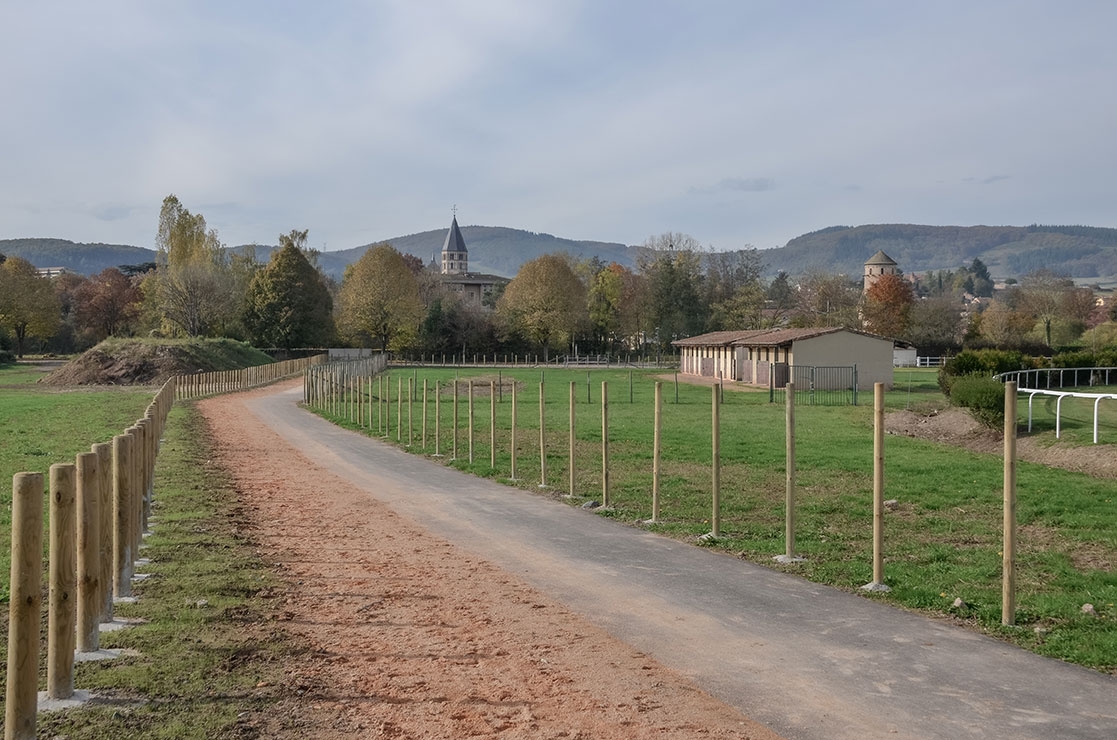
{"x": 1093, "y": 375}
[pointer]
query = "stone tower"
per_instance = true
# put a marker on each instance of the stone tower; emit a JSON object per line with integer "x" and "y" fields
{"x": 877, "y": 265}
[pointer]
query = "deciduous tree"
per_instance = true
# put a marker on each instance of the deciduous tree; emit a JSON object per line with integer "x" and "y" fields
{"x": 28, "y": 305}
{"x": 287, "y": 303}
{"x": 107, "y": 302}
{"x": 379, "y": 300}
{"x": 545, "y": 303}
{"x": 886, "y": 309}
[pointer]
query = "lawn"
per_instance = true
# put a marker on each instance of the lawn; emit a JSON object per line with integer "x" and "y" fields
{"x": 943, "y": 539}
{"x": 40, "y": 427}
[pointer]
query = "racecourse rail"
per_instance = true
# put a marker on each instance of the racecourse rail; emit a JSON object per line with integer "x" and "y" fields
{"x": 100, "y": 506}
{"x": 1039, "y": 382}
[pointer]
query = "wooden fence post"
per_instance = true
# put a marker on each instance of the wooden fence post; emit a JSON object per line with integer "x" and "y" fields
{"x": 542, "y": 438}
{"x": 24, "y": 607}
{"x": 492, "y": 422}
{"x": 470, "y": 421}
{"x": 657, "y": 449}
{"x": 437, "y": 418}
{"x": 454, "y": 424}
{"x": 715, "y": 457}
{"x": 573, "y": 437}
{"x": 424, "y": 413}
{"x": 410, "y": 410}
{"x": 103, "y": 451}
{"x": 1008, "y": 558}
{"x": 604, "y": 442}
{"x": 61, "y": 611}
{"x": 513, "y": 430}
{"x": 121, "y": 510}
{"x": 399, "y": 409}
{"x": 877, "y": 583}
{"x": 89, "y": 552}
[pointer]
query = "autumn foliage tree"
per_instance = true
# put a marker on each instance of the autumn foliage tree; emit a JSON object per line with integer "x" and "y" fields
{"x": 545, "y": 303}
{"x": 107, "y": 302}
{"x": 379, "y": 300}
{"x": 28, "y": 304}
{"x": 887, "y": 306}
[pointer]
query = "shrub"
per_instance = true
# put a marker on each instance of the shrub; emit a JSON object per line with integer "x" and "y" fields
{"x": 982, "y": 395}
{"x": 979, "y": 362}
{"x": 6, "y": 357}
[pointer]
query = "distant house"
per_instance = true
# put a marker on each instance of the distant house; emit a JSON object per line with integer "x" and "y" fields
{"x": 762, "y": 356}
{"x": 455, "y": 274}
{"x": 51, "y": 272}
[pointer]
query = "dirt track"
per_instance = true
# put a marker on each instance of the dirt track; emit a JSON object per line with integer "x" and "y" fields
{"x": 412, "y": 638}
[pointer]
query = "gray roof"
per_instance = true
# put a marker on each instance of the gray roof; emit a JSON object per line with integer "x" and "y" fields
{"x": 454, "y": 240}
{"x": 880, "y": 258}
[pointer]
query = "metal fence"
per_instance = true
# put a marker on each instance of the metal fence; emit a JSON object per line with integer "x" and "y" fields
{"x": 814, "y": 386}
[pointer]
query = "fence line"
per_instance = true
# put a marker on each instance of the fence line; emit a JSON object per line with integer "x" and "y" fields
{"x": 82, "y": 495}
{"x": 327, "y": 401}
{"x": 197, "y": 385}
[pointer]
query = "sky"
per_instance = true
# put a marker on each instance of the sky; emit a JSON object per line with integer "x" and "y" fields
{"x": 739, "y": 122}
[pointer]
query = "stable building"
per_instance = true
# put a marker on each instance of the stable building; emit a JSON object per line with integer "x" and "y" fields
{"x": 767, "y": 357}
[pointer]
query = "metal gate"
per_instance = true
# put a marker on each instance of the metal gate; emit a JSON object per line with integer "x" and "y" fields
{"x": 814, "y": 386}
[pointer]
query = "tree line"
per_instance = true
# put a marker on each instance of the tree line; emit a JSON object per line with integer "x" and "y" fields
{"x": 555, "y": 304}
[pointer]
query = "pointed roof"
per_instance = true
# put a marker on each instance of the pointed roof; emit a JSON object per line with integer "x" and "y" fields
{"x": 880, "y": 258}
{"x": 454, "y": 240}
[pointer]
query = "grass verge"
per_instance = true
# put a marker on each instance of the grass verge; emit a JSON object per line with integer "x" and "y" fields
{"x": 207, "y": 662}
{"x": 942, "y": 540}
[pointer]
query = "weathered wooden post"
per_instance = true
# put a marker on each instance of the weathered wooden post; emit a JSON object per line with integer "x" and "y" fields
{"x": 573, "y": 437}
{"x": 513, "y": 431}
{"x": 542, "y": 438}
{"x": 657, "y": 449}
{"x": 121, "y": 512}
{"x": 380, "y": 404}
{"x": 877, "y": 583}
{"x": 24, "y": 607}
{"x": 470, "y": 420}
{"x": 1008, "y": 559}
{"x": 410, "y": 409}
{"x": 454, "y": 423}
{"x": 437, "y": 418}
{"x": 103, "y": 450}
{"x": 715, "y": 456}
{"x": 604, "y": 442}
{"x": 399, "y": 409}
{"x": 424, "y": 413}
{"x": 90, "y": 600}
{"x": 789, "y": 555}
{"x": 61, "y": 610}
{"x": 492, "y": 422}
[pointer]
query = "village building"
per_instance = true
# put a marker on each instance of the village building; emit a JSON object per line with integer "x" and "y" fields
{"x": 474, "y": 287}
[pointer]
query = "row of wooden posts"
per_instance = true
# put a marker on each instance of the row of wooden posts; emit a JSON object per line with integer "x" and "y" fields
{"x": 197, "y": 385}
{"x": 353, "y": 396}
{"x": 99, "y": 509}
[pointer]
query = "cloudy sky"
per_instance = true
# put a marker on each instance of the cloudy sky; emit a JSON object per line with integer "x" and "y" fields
{"x": 739, "y": 122}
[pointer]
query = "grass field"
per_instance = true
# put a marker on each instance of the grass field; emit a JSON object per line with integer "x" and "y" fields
{"x": 199, "y": 662}
{"x": 40, "y": 427}
{"x": 943, "y": 541}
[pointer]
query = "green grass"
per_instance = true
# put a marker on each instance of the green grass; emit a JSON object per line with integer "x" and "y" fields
{"x": 206, "y": 654}
{"x": 942, "y": 542}
{"x": 1076, "y": 414}
{"x": 40, "y": 427}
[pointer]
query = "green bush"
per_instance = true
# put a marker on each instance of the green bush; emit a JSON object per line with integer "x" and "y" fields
{"x": 1105, "y": 357}
{"x": 6, "y": 357}
{"x": 979, "y": 362}
{"x": 982, "y": 395}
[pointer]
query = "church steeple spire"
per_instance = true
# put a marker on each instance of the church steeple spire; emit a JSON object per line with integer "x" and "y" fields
{"x": 455, "y": 257}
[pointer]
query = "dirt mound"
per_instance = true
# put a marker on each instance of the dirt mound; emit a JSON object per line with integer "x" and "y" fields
{"x": 97, "y": 367}
{"x": 956, "y": 427}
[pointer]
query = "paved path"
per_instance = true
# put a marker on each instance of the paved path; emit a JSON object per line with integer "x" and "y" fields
{"x": 806, "y": 660}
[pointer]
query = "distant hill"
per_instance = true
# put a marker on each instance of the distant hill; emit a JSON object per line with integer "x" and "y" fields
{"x": 1008, "y": 251}
{"x": 1084, "y": 252}
{"x": 88, "y": 259}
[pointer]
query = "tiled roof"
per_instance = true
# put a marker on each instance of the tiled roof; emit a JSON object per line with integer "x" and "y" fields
{"x": 717, "y": 338}
{"x": 765, "y": 337}
{"x": 880, "y": 258}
